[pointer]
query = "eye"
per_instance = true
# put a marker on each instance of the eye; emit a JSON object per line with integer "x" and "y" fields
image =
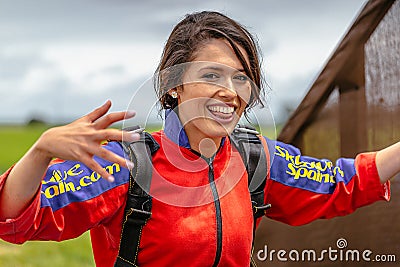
{"x": 241, "y": 77}
{"x": 210, "y": 76}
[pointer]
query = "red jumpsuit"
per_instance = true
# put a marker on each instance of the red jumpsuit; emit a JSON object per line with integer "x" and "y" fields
{"x": 201, "y": 211}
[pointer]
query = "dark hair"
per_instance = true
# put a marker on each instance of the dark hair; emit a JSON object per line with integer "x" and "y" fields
{"x": 190, "y": 35}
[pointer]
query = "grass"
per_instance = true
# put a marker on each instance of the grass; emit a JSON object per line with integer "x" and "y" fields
{"x": 16, "y": 140}
{"x": 71, "y": 253}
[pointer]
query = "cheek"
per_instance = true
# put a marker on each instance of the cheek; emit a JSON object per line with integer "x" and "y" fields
{"x": 195, "y": 96}
{"x": 245, "y": 95}
{"x": 244, "y": 101}
{"x": 189, "y": 92}
{"x": 192, "y": 108}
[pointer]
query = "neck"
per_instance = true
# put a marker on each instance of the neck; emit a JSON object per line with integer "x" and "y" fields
{"x": 205, "y": 145}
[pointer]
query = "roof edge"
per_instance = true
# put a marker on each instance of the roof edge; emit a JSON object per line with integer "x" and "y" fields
{"x": 355, "y": 38}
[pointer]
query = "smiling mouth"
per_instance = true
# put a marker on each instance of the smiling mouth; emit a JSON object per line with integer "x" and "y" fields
{"x": 221, "y": 113}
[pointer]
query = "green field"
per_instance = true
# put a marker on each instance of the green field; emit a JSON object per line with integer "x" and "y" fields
{"x": 15, "y": 142}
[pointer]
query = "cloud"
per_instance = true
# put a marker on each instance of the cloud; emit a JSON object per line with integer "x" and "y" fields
{"x": 16, "y": 65}
{"x": 63, "y": 58}
{"x": 92, "y": 66}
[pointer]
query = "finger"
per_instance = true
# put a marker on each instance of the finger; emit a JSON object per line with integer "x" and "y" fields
{"x": 94, "y": 166}
{"x": 116, "y": 135}
{"x": 106, "y": 121}
{"x": 98, "y": 112}
{"x": 112, "y": 157}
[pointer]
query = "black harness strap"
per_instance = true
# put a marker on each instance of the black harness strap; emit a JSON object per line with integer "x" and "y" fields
{"x": 256, "y": 160}
{"x": 139, "y": 202}
{"x": 254, "y": 156}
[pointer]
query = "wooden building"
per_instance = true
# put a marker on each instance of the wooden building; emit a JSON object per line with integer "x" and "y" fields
{"x": 353, "y": 106}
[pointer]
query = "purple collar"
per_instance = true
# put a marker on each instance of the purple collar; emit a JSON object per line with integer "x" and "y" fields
{"x": 174, "y": 130}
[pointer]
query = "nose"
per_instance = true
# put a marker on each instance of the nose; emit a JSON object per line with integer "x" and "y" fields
{"x": 227, "y": 90}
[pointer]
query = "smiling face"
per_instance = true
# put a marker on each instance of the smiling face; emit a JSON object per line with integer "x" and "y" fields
{"x": 214, "y": 94}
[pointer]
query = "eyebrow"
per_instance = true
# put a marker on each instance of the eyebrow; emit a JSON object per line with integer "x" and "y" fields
{"x": 219, "y": 68}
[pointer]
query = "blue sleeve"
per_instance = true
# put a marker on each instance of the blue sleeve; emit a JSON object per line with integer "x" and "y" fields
{"x": 71, "y": 181}
{"x": 291, "y": 168}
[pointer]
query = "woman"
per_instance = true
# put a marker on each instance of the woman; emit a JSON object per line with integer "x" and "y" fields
{"x": 209, "y": 75}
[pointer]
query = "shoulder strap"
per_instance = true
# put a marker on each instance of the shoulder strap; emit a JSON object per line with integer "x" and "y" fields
{"x": 255, "y": 156}
{"x": 139, "y": 202}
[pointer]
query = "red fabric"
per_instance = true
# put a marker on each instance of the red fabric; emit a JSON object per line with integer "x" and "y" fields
{"x": 186, "y": 235}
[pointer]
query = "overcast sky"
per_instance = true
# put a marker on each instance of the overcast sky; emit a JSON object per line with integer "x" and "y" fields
{"x": 60, "y": 59}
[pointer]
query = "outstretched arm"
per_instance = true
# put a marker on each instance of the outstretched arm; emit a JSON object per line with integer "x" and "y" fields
{"x": 302, "y": 189}
{"x": 79, "y": 140}
{"x": 388, "y": 162}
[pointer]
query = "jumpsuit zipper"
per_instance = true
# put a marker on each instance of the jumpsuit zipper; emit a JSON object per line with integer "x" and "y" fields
{"x": 217, "y": 205}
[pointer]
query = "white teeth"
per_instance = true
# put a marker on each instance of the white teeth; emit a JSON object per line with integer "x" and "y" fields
{"x": 226, "y": 110}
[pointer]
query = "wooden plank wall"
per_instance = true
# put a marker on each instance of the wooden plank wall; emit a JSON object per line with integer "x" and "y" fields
{"x": 361, "y": 114}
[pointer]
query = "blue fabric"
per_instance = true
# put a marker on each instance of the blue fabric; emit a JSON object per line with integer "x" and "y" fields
{"x": 174, "y": 130}
{"x": 72, "y": 181}
{"x": 321, "y": 176}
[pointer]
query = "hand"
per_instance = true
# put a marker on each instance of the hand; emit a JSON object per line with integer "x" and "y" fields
{"x": 81, "y": 139}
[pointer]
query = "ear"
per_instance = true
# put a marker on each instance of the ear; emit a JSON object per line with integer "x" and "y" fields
{"x": 173, "y": 93}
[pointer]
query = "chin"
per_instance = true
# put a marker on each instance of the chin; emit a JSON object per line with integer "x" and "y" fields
{"x": 215, "y": 129}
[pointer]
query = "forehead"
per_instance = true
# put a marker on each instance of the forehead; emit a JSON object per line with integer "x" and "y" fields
{"x": 220, "y": 52}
